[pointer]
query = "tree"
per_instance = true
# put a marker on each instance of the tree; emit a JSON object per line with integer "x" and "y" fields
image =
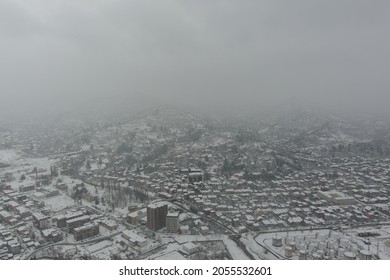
{"x": 246, "y": 174}
{"x": 226, "y": 167}
{"x": 207, "y": 176}
{"x": 88, "y": 165}
{"x": 130, "y": 160}
{"x": 86, "y": 139}
{"x": 53, "y": 171}
{"x": 35, "y": 170}
{"x": 194, "y": 134}
{"x": 124, "y": 148}
{"x": 23, "y": 177}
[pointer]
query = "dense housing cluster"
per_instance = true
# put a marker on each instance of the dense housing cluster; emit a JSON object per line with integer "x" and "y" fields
{"x": 164, "y": 184}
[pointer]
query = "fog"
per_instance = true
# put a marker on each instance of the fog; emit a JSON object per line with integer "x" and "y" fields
{"x": 63, "y": 56}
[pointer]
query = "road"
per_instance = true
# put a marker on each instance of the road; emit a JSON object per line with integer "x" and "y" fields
{"x": 95, "y": 240}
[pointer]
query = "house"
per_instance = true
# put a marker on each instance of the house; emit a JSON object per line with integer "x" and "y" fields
{"x": 134, "y": 238}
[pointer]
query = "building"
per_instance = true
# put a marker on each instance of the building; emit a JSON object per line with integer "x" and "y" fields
{"x": 204, "y": 230}
{"x": 132, "y": 218}
{"x": 349, "y": 256}
{"x": 172, "y": 222}
{"x": 61, "y": 219}
{"x": 195, "y": 176}
{"x": 190, "y": 248}
{"x": 184, "y": 229}
{"x": 52, "y": 234}
{"x": 110, "y": 225}
{"x": 26, "y": 188}
{"x": 336, "y": 197}
{"x": 62, "y": 187}
{"x": 156, "y": 215}
{"x": 77, "y": 222}
{"x": 40, "y": 221}
{"x": 12, "y": 205}
{"x": 134, "y": 238}
{"x": 5, "y": 216}
{"x": 365, "y": 255}
{"x": 22, "y": 211}
{"x": 50, "y": 192}
{"x": 86, "y": 231}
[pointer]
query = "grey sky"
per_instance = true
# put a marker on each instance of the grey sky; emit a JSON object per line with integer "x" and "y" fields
{"x": 236, "y": 55}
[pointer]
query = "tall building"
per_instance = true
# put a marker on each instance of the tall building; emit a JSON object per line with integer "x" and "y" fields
{"x": 172, "y": 222}
{"x": 156, "y": 215}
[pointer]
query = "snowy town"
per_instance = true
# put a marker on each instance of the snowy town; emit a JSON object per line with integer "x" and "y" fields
{"x": 172, "y": 185}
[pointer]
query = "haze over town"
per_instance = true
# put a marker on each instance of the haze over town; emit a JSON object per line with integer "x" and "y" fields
{"x": 225, "y": 56}
{"x": 194, "y": 129}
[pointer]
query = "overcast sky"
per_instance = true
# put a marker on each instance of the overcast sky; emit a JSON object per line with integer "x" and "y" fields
{"x": 236, "y": 55}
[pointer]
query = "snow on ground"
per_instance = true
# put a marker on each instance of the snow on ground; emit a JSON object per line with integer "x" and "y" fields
{"x": 20, "y": 163}
{"x": 171, "y": 249}
{"x": 174, "y": 255}
{"x": 9, "y": 156}
{"x": 235, "y": 252}
{"x": 103, "y": 255}
{"x": 59, "y": 202}
{"x": 30, "y": 180}
{"x": 98, "y": 246}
